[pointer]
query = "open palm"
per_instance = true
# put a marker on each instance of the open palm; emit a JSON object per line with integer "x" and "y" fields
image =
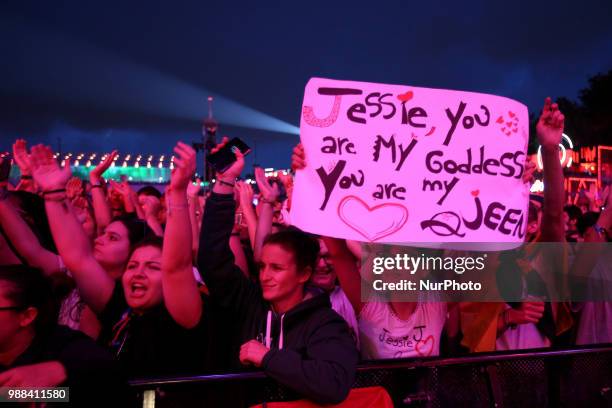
{"x": 46, "y": 171}
{"x": 21, "y": 156}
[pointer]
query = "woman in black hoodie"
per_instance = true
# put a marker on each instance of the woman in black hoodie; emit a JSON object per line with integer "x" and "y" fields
{"x": 287, "y": 330}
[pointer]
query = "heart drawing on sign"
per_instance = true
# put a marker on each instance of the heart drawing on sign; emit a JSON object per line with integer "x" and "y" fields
{"x": 373, "y": 223}
{"x": 508, "y": 126}
{"x": 425, "y": 347}
{"x": 405, "y": 97}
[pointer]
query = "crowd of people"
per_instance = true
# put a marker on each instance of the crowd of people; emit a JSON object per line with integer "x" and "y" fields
{"x": 99, "y": 282}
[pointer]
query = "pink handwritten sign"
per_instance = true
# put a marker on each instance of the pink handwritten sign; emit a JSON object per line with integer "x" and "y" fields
{"x": 397, "y": 163}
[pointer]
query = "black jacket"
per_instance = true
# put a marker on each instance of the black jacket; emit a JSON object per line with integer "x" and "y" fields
{"x": 318, "y": 359}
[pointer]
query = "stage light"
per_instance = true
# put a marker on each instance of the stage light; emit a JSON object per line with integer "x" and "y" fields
{"x": 564, "y": 153}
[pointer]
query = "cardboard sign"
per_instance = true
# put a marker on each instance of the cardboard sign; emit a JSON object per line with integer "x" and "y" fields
{"x": 397, "y": 163}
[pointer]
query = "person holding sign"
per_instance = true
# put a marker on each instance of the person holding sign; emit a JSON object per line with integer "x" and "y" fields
{"x": 387, "y": 329}
{"x": 288, "y": 331}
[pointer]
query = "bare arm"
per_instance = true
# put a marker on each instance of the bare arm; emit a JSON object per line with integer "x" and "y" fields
{"x": 195, "y": 213}
{"x": 269, "y": 195}
{"x": 550, "y": 130}
{"x": 181, "y": 295}
{"x": 245, "y": 192}
{"x": 94, "y": 284}
{"x": 25, "y": 241}
{"x": 22, "y": 158}
{"x": 102, "y": 211}
{"x": 151, "y": 209}
{"x": 345, "y": 266}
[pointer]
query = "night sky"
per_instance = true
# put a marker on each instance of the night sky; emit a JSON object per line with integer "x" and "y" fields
{"x": 134, "y": 75}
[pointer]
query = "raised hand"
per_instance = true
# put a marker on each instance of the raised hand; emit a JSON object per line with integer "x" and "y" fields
{"x": 528, "y": 171}
{"x": 122, "y": 188}
{"x": 234, "y": 171}
{"x": 193, "y": 189}
{"x": 550, "y": 125}
{"x": 46, "y": 171}
{"x": 74, "y": 188}
{"x": 95, "y": 176}
{"x": 21, "y": 156}
{"x": 184, "y": 167}
{"x": 269, "y": 192}
{"x": 298, "y": 158}
{"x": 245, "y": 192}
{"x": 151, "y": 206}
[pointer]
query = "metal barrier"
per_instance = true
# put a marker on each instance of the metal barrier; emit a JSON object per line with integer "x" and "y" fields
{"x": 533, "y": 378}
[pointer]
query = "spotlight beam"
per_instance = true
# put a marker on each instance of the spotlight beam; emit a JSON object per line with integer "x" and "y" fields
{"x": 85, "y": 74}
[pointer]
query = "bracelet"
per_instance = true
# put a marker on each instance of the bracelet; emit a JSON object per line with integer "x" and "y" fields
{"x": 26, "y": 177}
{"x": 225, "y": 183}
{"x": 264, "y": 200}
{"x": 59, "y": 190}
{"x": 96, "y": 186}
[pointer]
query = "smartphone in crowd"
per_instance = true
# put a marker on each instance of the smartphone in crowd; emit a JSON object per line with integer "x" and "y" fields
{"x": 225, "y": 157}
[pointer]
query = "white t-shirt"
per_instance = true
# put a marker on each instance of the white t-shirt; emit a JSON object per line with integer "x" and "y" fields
{"x": 343, "y": 307}
{"x": 523, "y": 336}
{"x": 72, "y": 306}
{"x": 71, "y": 310}
{"x": 527, "y": 336}
{"x": 384, "y": 335}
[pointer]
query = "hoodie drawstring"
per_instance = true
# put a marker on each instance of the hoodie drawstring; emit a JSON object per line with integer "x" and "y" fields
{"x": 268, "y": 339}
{"x": 280, "y": 341}
{"x": 268, "y": 330}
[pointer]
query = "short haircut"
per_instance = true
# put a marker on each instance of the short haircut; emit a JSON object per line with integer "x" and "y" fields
{"x": 304, "y": 247}
{"x": 150, "y": 191}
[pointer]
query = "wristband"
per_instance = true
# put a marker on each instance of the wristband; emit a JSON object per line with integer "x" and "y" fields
{"x": 96, "y": 186}
{"x": 26, "y": 177}
{"x": 59, "y": 190}
{"x": 271, "y": 202}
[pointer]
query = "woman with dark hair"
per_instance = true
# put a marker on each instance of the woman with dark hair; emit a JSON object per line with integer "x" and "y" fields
{"x": 152, "y": 315}
{"x": 36, "y": 352}
{"x": 289, "y": 331}
{"x": 25, "y": 222}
